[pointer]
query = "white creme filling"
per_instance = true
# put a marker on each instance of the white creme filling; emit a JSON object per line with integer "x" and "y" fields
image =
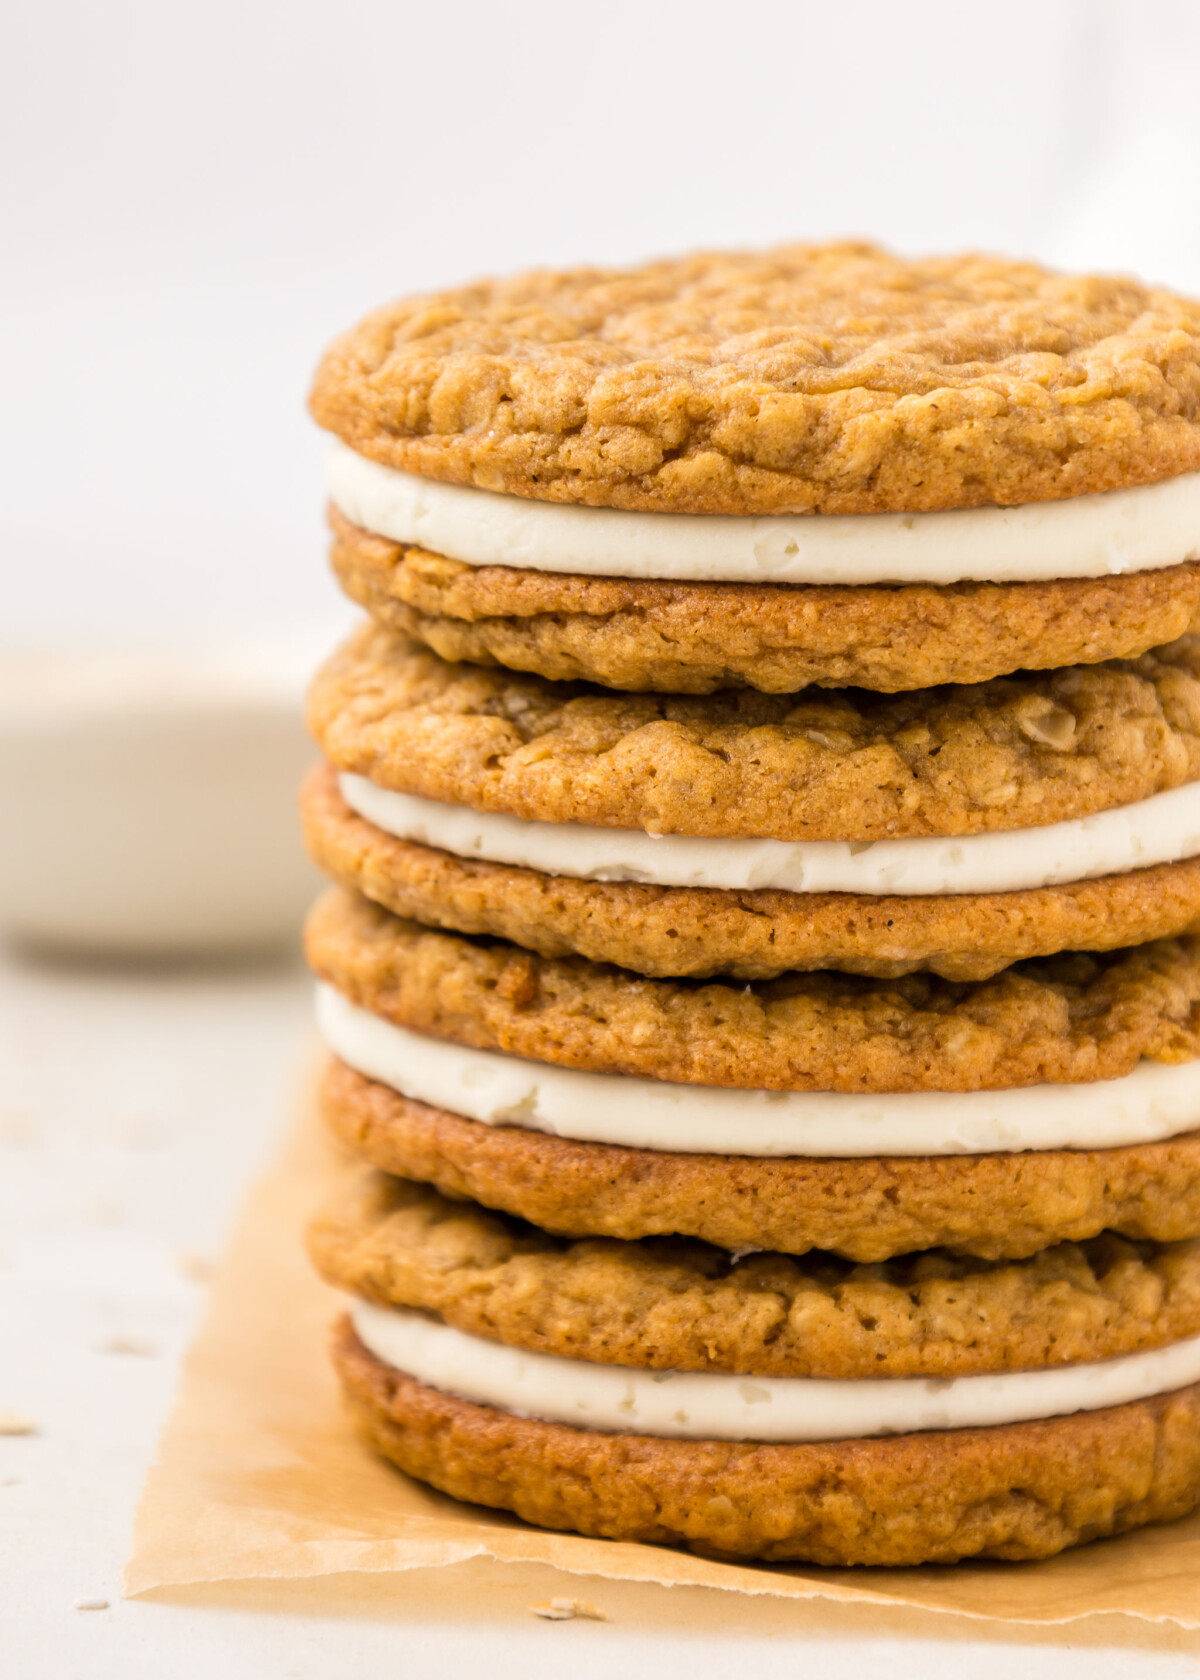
{"x": 1086, "y": 536}
{"x": 717, "y": 1405}
{"x": 1155, "y": 1101}
{"x": 1161, "y": 829}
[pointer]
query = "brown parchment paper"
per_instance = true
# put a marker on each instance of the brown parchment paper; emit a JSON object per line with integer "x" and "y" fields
{"x": 258, "y": 1477}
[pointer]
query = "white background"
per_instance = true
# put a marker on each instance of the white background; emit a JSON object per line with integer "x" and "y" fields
{"x": 195, "y": 198}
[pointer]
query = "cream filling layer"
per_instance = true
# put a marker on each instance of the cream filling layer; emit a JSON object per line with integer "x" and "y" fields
{"x": 1155, "y": 1101}
{"x": 1161, "y": 829}
{"x": 1087, "y": 536}
{"x": 717, "y": 1405}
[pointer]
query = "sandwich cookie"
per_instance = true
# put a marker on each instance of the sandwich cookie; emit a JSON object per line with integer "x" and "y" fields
{"x": 958, "y": 831}
{"x": 520, "y": 1371}
{"x": 815, "y": 1110}
{"x": 967, "y": 422}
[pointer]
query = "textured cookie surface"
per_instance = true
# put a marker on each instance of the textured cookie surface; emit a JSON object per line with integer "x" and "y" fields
{"x": 1014, "y": 753}
{"x": 834, "y": 378}
{"x": 1058, "y": 1020}
{"x": 994, "y": 1206}
{"x": 692, "y": 638}
{"x": 669, "y": 931}
{"x": 1017, "y": 1491}
{"x": 670, "y": 1304}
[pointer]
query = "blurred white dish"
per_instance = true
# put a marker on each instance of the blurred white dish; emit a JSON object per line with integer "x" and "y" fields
{"x": 148, "y": 802}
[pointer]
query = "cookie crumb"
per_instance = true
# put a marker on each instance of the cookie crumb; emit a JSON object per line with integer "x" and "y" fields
{"x": 14, "y": 1423}
{"x": 197, "y": 1268}
{"x": 567, "y": 1610}
{"x": 17, "y": 1125}
{"x": 140, "y": 1346}
{"x": 91, "y": 1604}
{"x": 137, "y": 1131}
{"x": 103, "y": 1209}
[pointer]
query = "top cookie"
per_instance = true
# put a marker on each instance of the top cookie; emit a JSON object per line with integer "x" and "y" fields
{"x": 813, "y": 378}
{"x": 1019, "y": 752}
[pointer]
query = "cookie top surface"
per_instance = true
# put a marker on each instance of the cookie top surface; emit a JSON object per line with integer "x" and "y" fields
{"x": 677, "y": 1304}
{"x": 1060, "y": 1020}
{"x": 1017, "y": 752}
{"x": 836, "y": 379}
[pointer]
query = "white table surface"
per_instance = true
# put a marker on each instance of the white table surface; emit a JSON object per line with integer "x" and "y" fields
{"x": 133, "y": 1109}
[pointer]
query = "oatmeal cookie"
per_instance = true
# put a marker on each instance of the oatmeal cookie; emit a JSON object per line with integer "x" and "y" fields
{"x": 669, "y": 1304}
{"x": 692, "y": 638}
{"x": 812, "y": 378}
{"x": 1017, "y": 752}
{"x": 1003, "y": 1206}
{"x": 698, "y": 931}
{"x": 1022, "y": 1490}
{"x": 1058, "y": 1020}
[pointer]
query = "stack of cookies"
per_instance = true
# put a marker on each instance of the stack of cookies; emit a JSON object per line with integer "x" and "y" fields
{"x": 764, "y": 803}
